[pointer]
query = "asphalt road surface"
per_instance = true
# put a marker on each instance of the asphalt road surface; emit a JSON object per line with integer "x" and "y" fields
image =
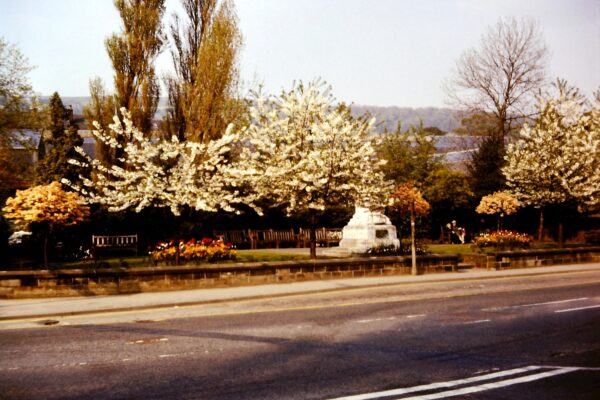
{"x": 510, "y": 338}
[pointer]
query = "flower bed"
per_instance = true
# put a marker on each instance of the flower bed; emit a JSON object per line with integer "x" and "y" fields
{"x": 193, "y": 252}
{"x": 501, "y": 240}
{"x": 403, "y": 250}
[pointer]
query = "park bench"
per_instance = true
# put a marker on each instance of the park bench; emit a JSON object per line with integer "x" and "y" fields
{"x": 326, "y": 237}
{"x": 108, "y": 243}
{"x": 237, "y": 237}
{"x": 271, "y": 237}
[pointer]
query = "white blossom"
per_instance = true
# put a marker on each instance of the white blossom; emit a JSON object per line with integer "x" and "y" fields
{"x": 165, "y": 173}
{"x": 557, "y": 159}
{"x": 302, "y": 152}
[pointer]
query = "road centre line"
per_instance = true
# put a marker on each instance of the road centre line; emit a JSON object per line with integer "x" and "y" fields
{"x": 440, "y": 385}
{"x": 479, "y": 321}
{"x": 535, "y": 304}
{"x": 492, "y": 385}
{"x": 364, "y": 321}
{"x": 577, "y": 309}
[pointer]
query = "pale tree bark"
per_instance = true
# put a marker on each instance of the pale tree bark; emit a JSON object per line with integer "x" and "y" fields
{"x": 502, "y": 75}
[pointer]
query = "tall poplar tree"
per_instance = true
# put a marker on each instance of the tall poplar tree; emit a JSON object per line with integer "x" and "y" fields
{"x": 133, "y": 52}
{"x": 100, "y": 111}
{"x": 202, "y": 93}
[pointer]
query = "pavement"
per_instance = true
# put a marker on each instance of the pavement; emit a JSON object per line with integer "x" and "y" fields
{"x": 15, "y": 309}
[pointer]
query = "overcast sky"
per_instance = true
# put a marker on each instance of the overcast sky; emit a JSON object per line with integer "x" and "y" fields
{"x": 375, "y": 52}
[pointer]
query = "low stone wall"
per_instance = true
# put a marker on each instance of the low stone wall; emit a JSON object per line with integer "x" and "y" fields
{"x": 536, "y": 258}
{"x": 133, "y": 280}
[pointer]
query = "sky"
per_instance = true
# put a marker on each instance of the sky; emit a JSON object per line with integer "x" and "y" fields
{"x": 372, "y": 52}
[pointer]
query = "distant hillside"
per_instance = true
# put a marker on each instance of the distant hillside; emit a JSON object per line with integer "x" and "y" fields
{"x": 445, "y": 119}
{"x": 76, "y": 102}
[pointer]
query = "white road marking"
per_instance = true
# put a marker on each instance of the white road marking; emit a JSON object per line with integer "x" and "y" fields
{"x": 440, "y": 385}
{"x": 534, "y": 304}
{"x": 577, "y": 309}
{"x": 479, "y": 321}
{"x": 415, "y": 316}
{"x": 493, "y": 385}
{"x": 364, "y": 321}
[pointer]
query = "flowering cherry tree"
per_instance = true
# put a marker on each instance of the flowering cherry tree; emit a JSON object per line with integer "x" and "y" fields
{"x": 501, "y": 203}
{"x": 557, "y": 160}
{"x": 303, "y": 151}
{"x": 162, "y": 173}
{"x": 45, "y": 207}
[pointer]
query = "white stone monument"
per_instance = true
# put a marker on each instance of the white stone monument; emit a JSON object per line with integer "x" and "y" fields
{"x": 366, "y": 230}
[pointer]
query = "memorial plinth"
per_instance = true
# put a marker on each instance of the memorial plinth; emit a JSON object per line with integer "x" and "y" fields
{"x": 366, "y": 230}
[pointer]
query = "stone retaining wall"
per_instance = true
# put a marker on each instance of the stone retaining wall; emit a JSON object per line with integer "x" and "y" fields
{"x": 533, "y": 258}
{"x": 133, "y": 280}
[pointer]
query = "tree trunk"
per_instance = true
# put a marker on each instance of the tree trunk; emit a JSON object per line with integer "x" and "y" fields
{"x": 313, "y": 237}
{"x": 313, "y": 242}
{"x": 561, "y": 232}
{"x": 185, "y": 214}
{"x": 45, "y": 234}
{"x": 541, "y": 227}
{"x": 412, "y": 240}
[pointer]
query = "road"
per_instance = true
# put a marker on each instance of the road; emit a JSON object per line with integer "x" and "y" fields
{"x": 510, "y": 338}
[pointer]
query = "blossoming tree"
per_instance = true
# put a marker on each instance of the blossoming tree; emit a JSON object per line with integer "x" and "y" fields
{"x": 43, "y": 208}
{"x": 500, "y": 203}
{"x": 162, "y": 173}
{"x": 557, "y": 160}
{"x": 303, "y": 151}
{"x": 171, "y": 174}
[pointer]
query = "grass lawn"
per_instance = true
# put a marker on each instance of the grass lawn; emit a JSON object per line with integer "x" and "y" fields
{"x": 129, "y": 261}
{"x": 265, "y": 255}
{"x": 450, "y": 248}
{"x": 113, "y": 262}
{"x": 257, "y": 256}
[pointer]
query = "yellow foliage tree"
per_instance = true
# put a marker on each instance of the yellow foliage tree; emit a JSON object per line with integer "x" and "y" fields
{"x": 408, "y": 200}
{"x": 501, "y": 203}
{"x": 44, "y": 207}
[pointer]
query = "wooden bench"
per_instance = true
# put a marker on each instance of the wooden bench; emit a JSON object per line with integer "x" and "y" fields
{"x": 237, "y": 238}
{"x": 271, "y": 237}
{"x": 114, "y": 242}
{"x": 325, "y": 236}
